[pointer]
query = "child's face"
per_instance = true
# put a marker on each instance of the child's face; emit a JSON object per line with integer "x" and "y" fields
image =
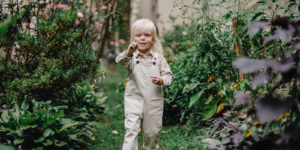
{"x": 144, "y": 39}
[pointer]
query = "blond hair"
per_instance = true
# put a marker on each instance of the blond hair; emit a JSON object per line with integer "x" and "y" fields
{"x": 148, "y": 26}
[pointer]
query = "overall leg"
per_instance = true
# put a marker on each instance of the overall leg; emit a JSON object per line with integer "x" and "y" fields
{"x": 151, "y": 127}
{"x": 132, "y": 124}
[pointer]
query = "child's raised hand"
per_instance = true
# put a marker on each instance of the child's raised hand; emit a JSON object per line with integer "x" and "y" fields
{"x": 156, "y": 80}
{"x": 132, "y": 47}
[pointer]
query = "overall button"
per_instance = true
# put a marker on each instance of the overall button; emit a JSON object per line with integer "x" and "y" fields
{"x": 137, "y": 62}
{"x": 154, "y": 63}
{"x": 154, "y": 58}
{"x": 136, "y": 57}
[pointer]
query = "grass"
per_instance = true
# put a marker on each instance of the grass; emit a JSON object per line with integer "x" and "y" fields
{"x": 172, "y": 137}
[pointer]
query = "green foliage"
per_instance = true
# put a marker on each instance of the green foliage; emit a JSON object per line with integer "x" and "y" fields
{"x": 42, "y": 128}
{"x": 44, "y": 61}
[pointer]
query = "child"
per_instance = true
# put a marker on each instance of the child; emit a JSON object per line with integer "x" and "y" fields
{"x": 143, "y": 100}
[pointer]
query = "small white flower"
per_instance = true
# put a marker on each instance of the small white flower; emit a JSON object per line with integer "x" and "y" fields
{"x": 88, "y": 95}
{"x": 80, "y": 15}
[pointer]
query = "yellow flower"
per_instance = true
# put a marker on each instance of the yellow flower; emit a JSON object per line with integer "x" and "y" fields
{"x": 231, "y": 87}
{"x": 220, "y": 93}
{"x": 249, "y": 133}
{"x": 220, "y": 108}
{"x": 125, "y": 84}
{"x": 280, "y": 118}
{"x": 287, "y": 114}
{"x": 256, "y": 123}
{"x": 179, "y": 47}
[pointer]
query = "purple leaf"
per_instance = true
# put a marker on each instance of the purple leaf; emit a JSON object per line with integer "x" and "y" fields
{"x": 260, "y": 79}
{"x": 236, "y": 138}
{"x": 297, "y": 45}
{"x": 263, "y": 145}
{"x": 258, "y": 25}
{"x": 281, "y": 21}
{"x": 269, "y": 108}
{"x": 281, "y": 67}
{"x": 281, "y": 34}
{"x": 284, "y": 139}
{"x": 225, "y": 141}
{"x": 236, "y": 128}
{"x": 247, "y": 65}
{"x": 242, "y": 98}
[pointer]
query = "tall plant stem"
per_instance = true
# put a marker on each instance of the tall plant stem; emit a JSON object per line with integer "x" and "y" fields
{"x": 237, "y": 45}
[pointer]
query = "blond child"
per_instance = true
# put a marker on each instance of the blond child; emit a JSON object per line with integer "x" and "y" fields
{"x": 148, "y": 72}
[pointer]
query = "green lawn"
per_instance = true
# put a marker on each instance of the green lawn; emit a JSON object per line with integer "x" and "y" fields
{"x": 172, "y": 137}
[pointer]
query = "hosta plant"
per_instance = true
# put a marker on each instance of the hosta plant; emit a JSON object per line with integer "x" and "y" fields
{"x": 43, "y": 127}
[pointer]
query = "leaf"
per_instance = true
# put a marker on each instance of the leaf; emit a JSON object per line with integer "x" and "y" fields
{"x": 67, "y": 126}
{"x": 252, "y": 32}
{"x": 35, "y": 105}
{"x": 224, "y": 134}
{"x": 269, "y": 108}
{"x": 47, "y": 143}
{"x": 282, "y": 67}
{"x": 195, "y": 98}
{"x": 25, "y": 104}
{"x": 244, "y": 85}
{"x": 82, "y": 141}
{"x": 40, "y": 139}
{"x": 209, "y": 99}
{"x": 247, "y": 65}
{"x": 60, "y": 144}
{"x": 261, "y": 2}
{"x": 220, "y": 107}
{"x": 292, "y": 7}
{"x": 242, "y": 99}
{"x": 4, "y": 147}
{"x": 190, "y": 87}
{"x": 260, "y": 79}
{"x": 258, "y": 25}
{"x": 209, "y": 111}
{"x": 4, "y": 26}
{"x": 18, "y": 141}
{"x": 48, "y": 132}
{"x": 257, "y": 15}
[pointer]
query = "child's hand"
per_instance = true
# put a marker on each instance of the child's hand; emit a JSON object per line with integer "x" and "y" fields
{"x": 132, "y": 47}
{"x": 156, "y": 80}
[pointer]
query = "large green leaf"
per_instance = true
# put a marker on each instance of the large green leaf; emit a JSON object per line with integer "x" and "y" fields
{"x": 25, "y": 104}
{"x": 257, "y": 15}
{"x": 67, "y": 126}
{"x": 4, "y": 26}
{"x": 209, "y": 111}
{"x": 195, "y": 98}
{"x": 18, "y": 141}
{"x": 189, "y": 87}
{"x": 3, "y": 147}
{"x": 48, "y": 132}
{"x": 35, "y": 105}
{"x": 47, "y": 143}
{"x": 209, "y": 99}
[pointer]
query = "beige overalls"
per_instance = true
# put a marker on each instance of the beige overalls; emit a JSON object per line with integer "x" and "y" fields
{"x": 143, "y": 105}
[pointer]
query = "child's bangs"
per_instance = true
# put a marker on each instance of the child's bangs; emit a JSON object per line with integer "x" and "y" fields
{"x": 143, "y": 27}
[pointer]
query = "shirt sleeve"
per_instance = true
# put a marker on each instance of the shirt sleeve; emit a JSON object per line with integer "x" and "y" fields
{"x": 165, "y": 72}
{"x": 124, "y": 61}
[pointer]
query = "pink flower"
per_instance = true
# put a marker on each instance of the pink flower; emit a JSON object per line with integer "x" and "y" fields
{"x": 102, "y": 7}
{"x": 117, "y": 44}
{"x": 111, "y": 43}
{"x": 88, "y": 5}
{"x": 122, "y": 41}
{"x": 77, "y": 22}
{"x": 61, "y": 6}
{"x": 110, "y": 54}
{"x": 98, "y": 24}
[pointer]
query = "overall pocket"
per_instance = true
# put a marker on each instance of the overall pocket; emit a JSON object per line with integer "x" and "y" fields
{"x": 156, "y": 107}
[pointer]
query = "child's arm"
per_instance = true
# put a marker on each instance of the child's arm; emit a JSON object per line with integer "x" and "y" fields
{"x": 165, "y": 72}
{"x": 124, "y": 61}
